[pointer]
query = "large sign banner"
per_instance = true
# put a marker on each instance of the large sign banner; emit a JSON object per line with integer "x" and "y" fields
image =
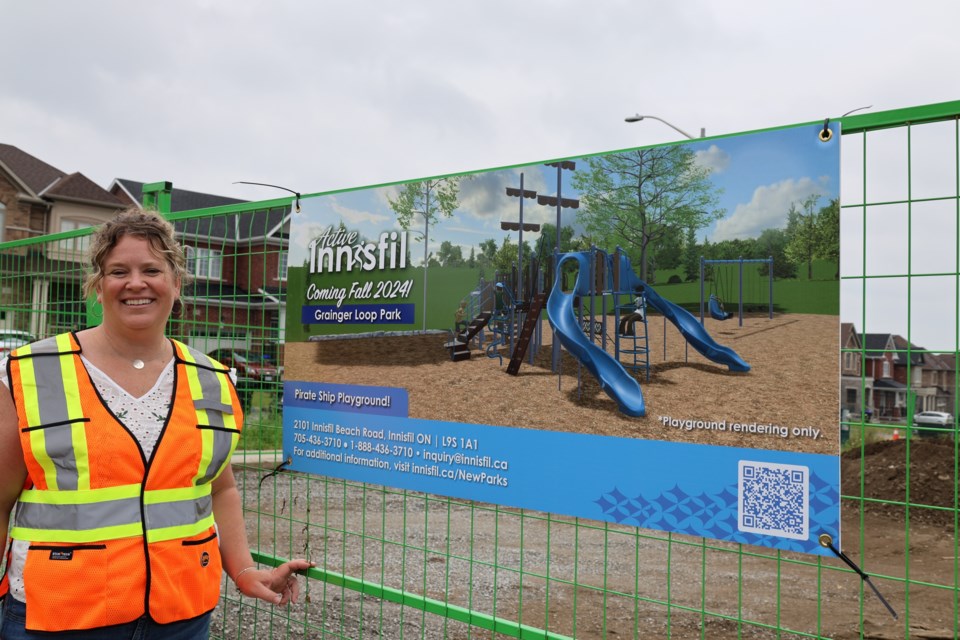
{"x": 647, "y": 337}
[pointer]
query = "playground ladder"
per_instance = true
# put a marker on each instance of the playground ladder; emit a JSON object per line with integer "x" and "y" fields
{"x": 460, "y": 345}
{"x": 529, "y": 325}
{"x": 640, "y": 349}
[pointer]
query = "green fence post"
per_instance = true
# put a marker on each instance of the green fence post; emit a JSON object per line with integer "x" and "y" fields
{"x": 157, "y": 195}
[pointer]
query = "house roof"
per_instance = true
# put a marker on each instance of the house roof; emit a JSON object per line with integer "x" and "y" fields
{"x": 41, "y": 180}
{"x": 949, "y": 360}
{"x": 938, "y": 361}
{"x": 77, "y": 186}
{"x": 243, "y": 226}
{"x": 180, "y": 199}
{"x": 33, "y": 173}
{"x": 877, "y": 342}
{"x": 849, "y": 338}
{"x": 916, "y": 353}
{"x": 223, "y": 292}
{"x": 888, "y": 383}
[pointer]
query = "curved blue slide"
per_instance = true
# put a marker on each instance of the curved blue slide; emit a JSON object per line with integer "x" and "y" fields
{"x": 613, "y": 378}
{"x": 615, "y": 381}
{"x": 686, "y": 322}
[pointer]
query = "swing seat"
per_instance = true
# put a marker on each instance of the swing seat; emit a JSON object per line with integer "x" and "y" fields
{"x": 716, "y": 309}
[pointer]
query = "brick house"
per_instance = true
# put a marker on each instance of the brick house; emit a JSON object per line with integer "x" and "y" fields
{"x": 238, "y": 261}
{"x": 856, "y": 388}
{"x": 925, "y": 377}
{"x": 946, "y": 382}
{"x": 37, "y": 199}
{"x": 880, "y": 361}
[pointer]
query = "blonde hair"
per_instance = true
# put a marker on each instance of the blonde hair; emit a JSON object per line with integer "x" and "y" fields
{"x": 143, "y": 223}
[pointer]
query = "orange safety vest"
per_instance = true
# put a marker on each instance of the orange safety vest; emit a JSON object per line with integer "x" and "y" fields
{"x": 113, "y": 536}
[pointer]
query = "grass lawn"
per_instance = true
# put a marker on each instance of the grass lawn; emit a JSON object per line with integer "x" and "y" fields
{"x": 820, "y": 295}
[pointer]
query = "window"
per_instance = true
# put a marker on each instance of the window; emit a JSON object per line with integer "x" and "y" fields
{"x": 887, "y": 372}
{"x": 206, "y": 263}
{"x": 3, "y": 210}
{"x": 849, "y": 361}
{"x": 78, "y": 244}
{"x": 282, "y": 265}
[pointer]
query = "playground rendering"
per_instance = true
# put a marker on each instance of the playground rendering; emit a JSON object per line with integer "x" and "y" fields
{"x": 710, "y": 318}
{"x": 688, "y": 396}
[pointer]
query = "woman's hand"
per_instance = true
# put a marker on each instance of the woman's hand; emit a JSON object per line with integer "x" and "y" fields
{"x": 278, "y": 586}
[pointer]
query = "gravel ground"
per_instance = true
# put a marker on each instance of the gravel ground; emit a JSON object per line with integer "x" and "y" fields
{"x": 470, "y": 556}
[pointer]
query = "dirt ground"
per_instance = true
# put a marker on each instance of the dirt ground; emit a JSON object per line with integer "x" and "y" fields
{"x": 404, "y": 539}
{"x": 792, "y": 383}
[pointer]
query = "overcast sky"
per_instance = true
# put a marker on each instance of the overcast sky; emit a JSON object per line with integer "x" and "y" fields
{"x": 317, "y": 96}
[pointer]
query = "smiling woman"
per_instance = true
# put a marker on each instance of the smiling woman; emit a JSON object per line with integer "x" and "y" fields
{"x": 118, "y": 424}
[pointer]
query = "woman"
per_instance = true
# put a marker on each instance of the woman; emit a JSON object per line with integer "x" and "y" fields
{"x": 115, "y": 446}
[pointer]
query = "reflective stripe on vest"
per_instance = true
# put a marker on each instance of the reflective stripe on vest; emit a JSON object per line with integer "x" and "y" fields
{"x": 52, "y": 370}
{"x": 218, "y": 427}
{"x": 69, "y": 511}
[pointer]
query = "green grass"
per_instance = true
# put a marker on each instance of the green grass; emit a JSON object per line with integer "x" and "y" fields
{"x": 820, "y": 295}
{"x": 263, "y": 423}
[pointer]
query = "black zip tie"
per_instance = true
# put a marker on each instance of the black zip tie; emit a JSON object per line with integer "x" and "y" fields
{"x": 827, "y": 541}
{"x": 275, "y": 186}
{"x": 275, "y": 471}
{"x": 826, "y": 134}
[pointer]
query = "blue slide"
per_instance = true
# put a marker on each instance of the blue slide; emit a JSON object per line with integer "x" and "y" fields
{"x": 615, "y": 381}
{"x": 686, "y": 322}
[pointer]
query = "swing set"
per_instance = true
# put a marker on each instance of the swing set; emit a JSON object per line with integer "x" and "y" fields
{"x": 719, "y": 288}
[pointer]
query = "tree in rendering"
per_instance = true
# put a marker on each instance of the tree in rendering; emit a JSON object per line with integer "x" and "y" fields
{"x": 427, "y": 201}
{"x": 637, "y": 199}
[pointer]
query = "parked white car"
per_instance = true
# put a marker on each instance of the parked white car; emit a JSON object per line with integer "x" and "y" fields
{"x": 938, "y": 418}
{"x": 11, "y": 339}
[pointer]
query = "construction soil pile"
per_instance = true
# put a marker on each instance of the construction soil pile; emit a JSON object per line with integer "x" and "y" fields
{"x": 931, "y": 480}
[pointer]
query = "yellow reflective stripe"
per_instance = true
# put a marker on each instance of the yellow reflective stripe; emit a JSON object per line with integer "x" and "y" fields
{"x": 38, "y": 446}
{"x": 74, "y": 410}
{"x": 193, "y": 380}
{"x": 81, "y": 454}
{"x": 31, "y": 403}
{"x": 84, "y": 496}
{"x": 206, "y": 437}
{"x": 85, "y": 535}
{"x": 196, "y": 391}
{"x": 31, "y": 406}
{"x": 182, "y": 531}
{"x": 157, "y": 496}
{"x": 206, "y": 452}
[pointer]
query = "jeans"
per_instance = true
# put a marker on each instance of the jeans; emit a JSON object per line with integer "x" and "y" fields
{"x": 14, "y": 619}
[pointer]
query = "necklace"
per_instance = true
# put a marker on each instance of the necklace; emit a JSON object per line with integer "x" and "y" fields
{"x": 137, "y": 363}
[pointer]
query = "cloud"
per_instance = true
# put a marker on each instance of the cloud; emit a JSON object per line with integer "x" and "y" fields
{"x": 356, "y": 216}
{"x": 767, "y": 209}
{"x": 484, "y": 197}
{"x": 714, "y": 159}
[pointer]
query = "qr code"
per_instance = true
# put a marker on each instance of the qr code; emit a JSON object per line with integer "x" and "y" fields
{"x": 774, "y": 499}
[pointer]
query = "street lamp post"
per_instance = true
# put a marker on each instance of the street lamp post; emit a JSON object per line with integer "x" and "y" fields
{"x": 560, "y": 203}
{"x": 638, "y": 118}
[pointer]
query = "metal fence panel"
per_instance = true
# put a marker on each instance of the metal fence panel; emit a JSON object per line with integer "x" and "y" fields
{"x": 400, "y": 564}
